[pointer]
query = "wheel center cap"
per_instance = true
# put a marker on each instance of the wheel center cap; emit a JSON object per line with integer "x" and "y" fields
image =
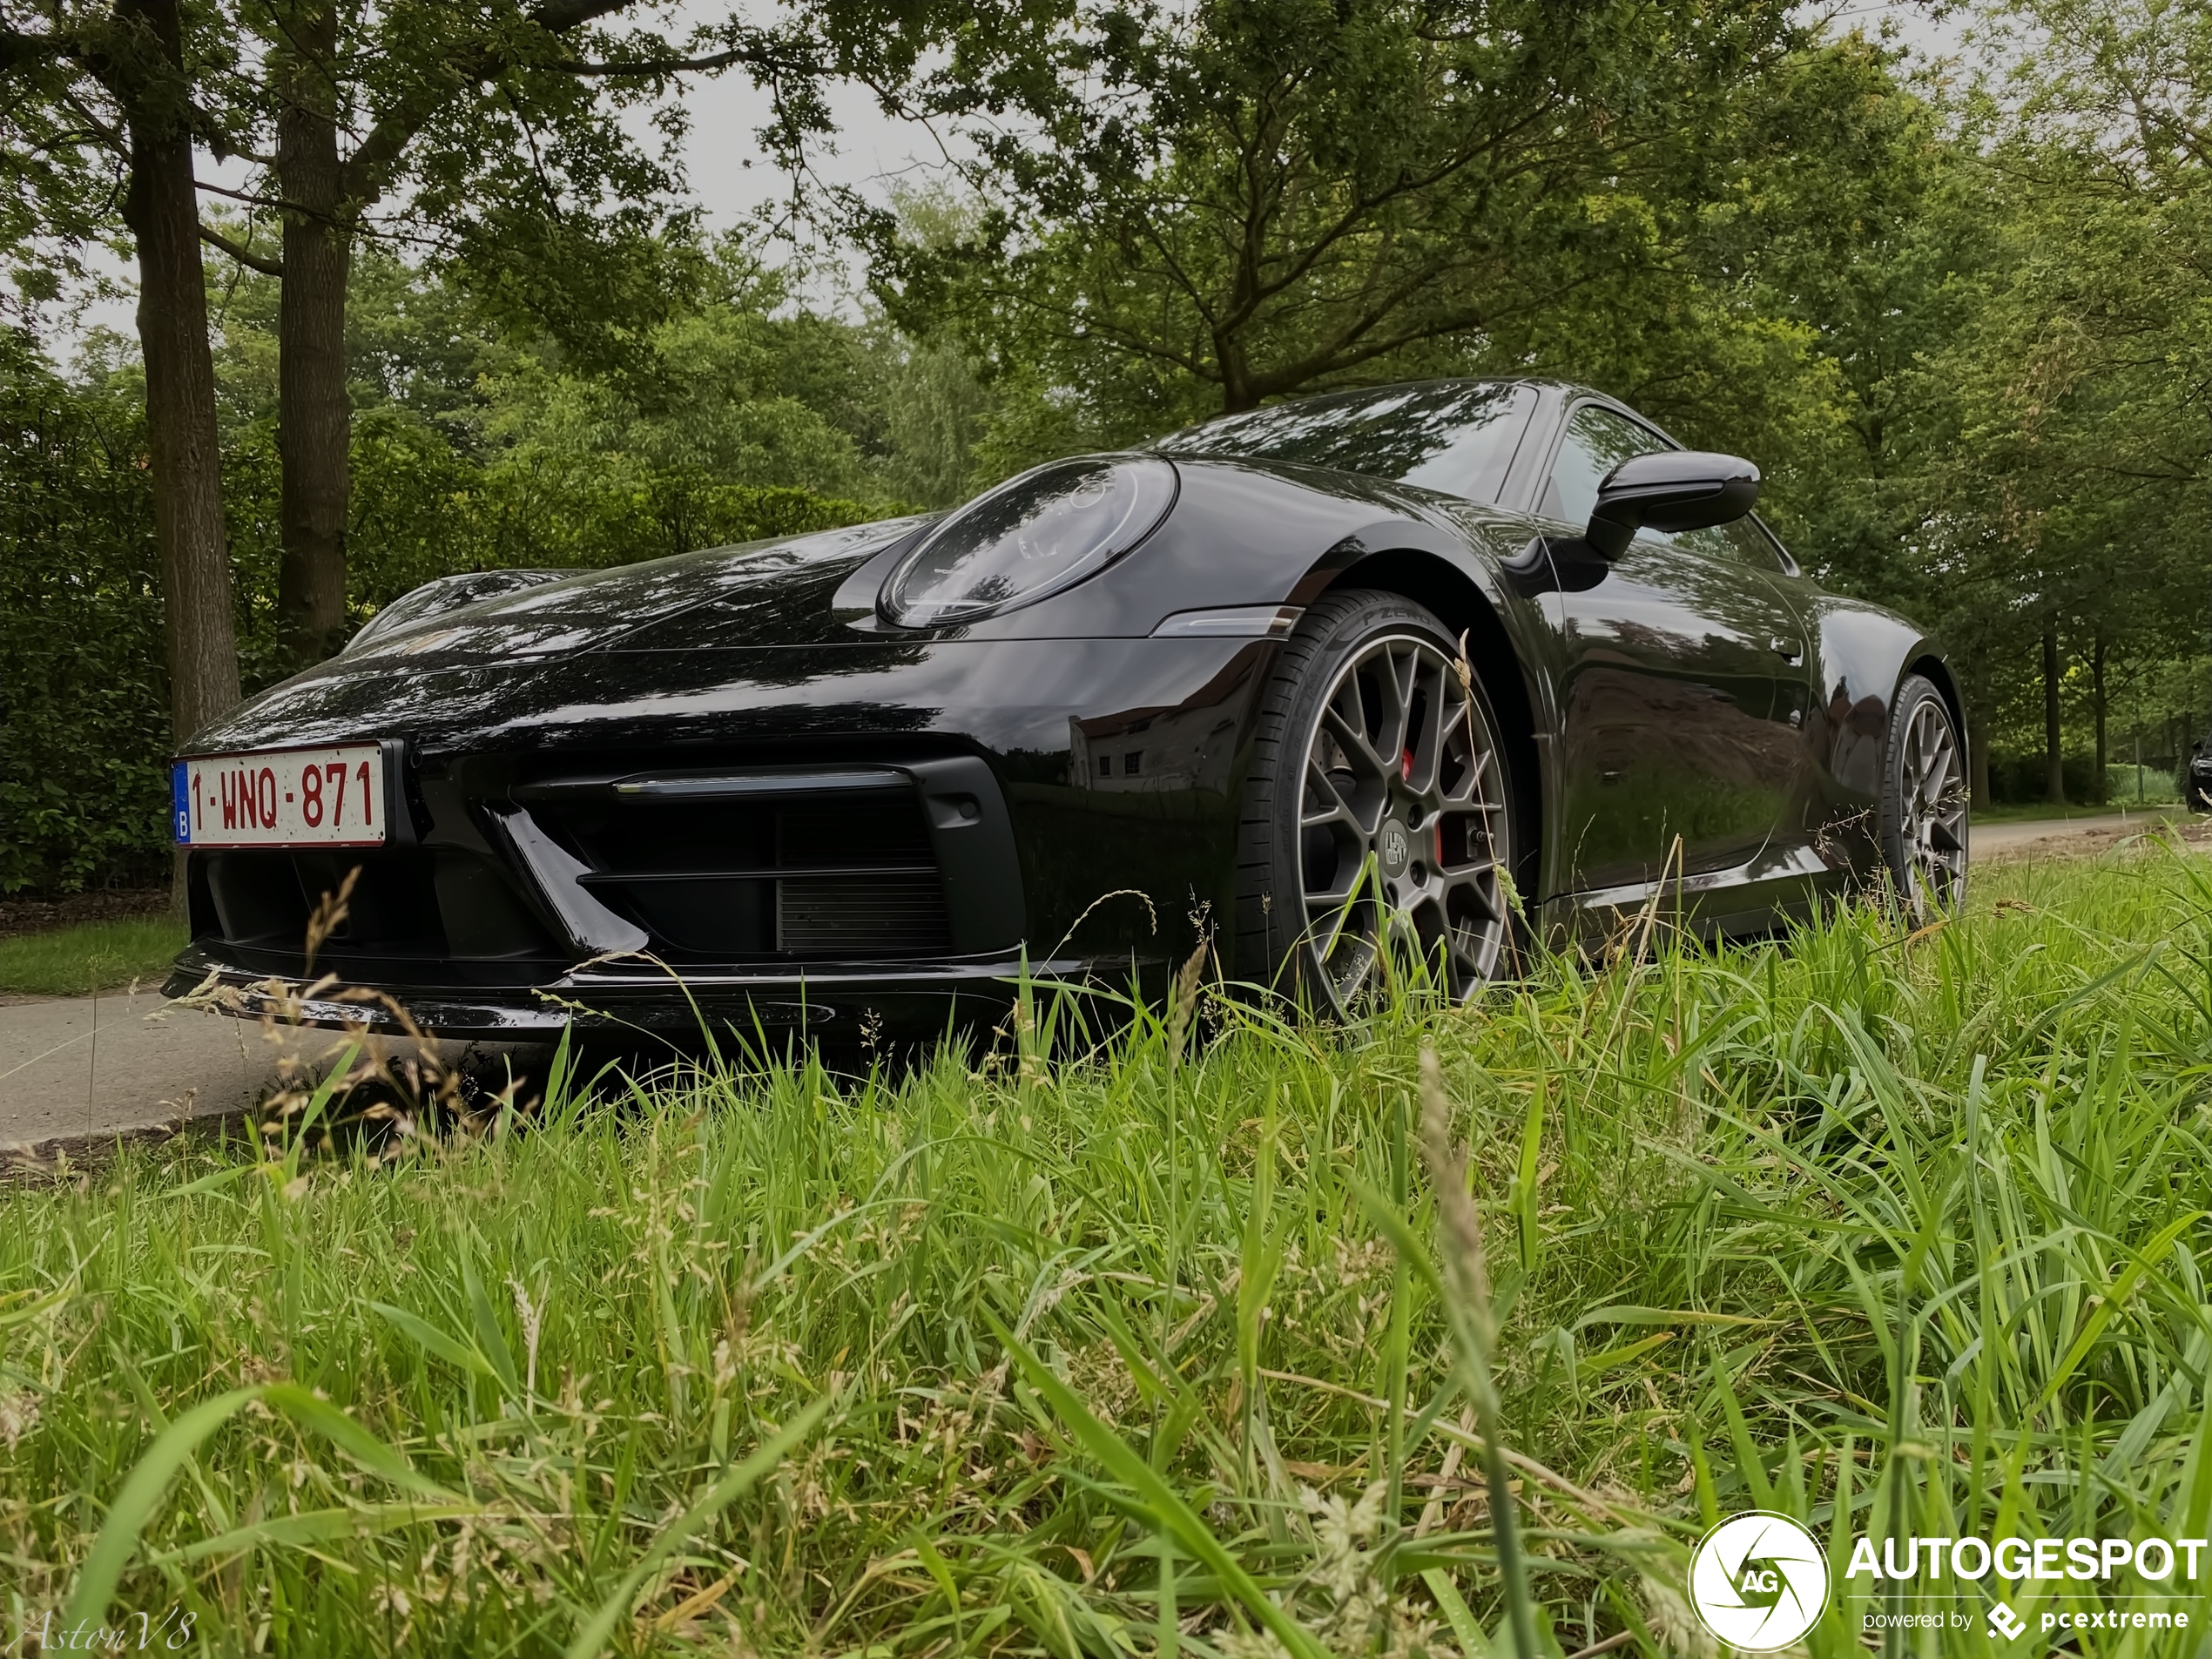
{"x": 1394, "y": 847}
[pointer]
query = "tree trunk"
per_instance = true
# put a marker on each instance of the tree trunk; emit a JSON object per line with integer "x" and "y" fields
{"x": 314, "y": 418}
{"x": 1237, "y": 394}
{"x": 2097, "y": 701}
{"x": 162, "y": 207}
{"x": 2053, "y": 758}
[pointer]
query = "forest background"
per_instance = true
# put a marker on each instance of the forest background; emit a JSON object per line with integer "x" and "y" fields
{"x": 423, "y": 289}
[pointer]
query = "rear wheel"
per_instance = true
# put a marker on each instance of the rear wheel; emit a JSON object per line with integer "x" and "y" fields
{"x": 1924, "y": 802}
{"x": 1376, "y": 831}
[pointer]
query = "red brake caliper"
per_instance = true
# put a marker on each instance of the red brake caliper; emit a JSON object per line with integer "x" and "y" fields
{"x": 1405, "y": 775}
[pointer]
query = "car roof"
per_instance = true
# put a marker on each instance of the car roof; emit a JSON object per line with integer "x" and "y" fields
{"x": 1379, "y": 387}
{"x": 1566, "y": 389}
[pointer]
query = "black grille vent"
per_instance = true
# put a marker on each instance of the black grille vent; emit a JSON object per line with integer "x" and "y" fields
{"x": 875, "y": 915}
{"x": 407, "y": 902}
{"x": 890, "y": 904}
{"x": 850, "y": 877}
{"x": 265, "y": 898}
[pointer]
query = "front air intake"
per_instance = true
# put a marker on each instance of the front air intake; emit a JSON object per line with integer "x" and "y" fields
{"x": 858, "y": 884}
{"x": 442, "y": 904}
{"x": 826, "y": 866}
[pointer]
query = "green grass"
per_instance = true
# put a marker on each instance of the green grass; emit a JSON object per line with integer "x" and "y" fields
{"x": 1899, "y": 1234}
{"x": 91, "y": 956}
{"x": 2036, "y": 812}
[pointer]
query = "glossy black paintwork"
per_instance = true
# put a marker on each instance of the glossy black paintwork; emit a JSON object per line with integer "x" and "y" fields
{"x": 1670, "y": 726}
{"x": 1651, "y": 694}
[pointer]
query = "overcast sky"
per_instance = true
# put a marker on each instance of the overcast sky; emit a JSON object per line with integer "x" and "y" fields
{"x": 722, "y": 155}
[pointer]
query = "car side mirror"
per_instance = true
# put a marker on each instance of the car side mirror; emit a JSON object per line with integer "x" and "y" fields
{"x": 1675, "y": 490}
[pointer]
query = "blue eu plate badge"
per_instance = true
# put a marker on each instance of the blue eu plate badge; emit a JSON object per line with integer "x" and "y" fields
{"x": 180, "y": 801}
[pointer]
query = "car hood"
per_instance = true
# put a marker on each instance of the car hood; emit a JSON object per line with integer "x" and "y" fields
{"x": 776, "y": 592}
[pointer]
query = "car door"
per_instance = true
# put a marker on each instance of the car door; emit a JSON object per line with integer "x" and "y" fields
{"x": 1683, "y": 665}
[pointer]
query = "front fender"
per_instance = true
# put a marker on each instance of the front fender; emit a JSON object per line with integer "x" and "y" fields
{"x": 1241, "y": 533}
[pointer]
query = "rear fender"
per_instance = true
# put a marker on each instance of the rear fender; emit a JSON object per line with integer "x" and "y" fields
{"x": 1863, "y": 654}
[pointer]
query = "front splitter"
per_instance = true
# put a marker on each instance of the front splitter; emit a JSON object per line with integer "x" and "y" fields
{"x": 912, "y": 1001}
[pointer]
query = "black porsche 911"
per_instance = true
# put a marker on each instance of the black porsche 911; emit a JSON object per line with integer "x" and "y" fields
{"x": 1374, "y": 677}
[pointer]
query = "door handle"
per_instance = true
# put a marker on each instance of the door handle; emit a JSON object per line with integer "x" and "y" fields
{"x": 1791, "y": 652}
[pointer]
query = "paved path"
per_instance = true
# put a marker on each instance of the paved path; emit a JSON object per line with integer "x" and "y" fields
{"x": 2012, "y": 836}
{"x": 85, "y": 1069}
{"x": 73, "y": 1067}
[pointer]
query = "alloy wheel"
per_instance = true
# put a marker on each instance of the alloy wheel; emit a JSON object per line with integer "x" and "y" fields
{"x": 1401, "y": 826}
{"x": 1932, "y": 811}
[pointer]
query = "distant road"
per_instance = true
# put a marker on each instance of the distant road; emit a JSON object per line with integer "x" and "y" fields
{"x": 1984, "y": 839}
{"x": 80, "y": 1072}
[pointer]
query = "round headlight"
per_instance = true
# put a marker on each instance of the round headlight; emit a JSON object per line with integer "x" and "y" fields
{"x": 1032, "y": 536}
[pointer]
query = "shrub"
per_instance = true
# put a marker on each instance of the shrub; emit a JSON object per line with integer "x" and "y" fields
{"x": 2017, "y": 780}
{"x": 83, "y": 696}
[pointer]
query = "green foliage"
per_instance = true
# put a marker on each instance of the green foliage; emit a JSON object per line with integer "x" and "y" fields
{"x": 2045, "y": 433}
{"x": 1788, "y": 288}
{"x": 83, "y": 701}
{"x": 1960, "y": 323}
{"x": 2017, "y": 780}
{"x": 2008, "y": 279}
{"x": 1698, "y": 213}
{"x": 1209, "y": 204}
{"x": 2127, "y": 783}
{"x": 1899, "y": 1236}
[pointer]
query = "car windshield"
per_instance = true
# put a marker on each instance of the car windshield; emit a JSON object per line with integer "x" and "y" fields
{"x": 1457, "y": 436}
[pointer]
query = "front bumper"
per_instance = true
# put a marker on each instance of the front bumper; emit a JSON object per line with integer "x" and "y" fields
{"x": 663, "y": 840}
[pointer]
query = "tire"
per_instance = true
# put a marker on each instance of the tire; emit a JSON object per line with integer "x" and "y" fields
{"x": 1355, "y": 869}
{"x": 1924, "y": 802}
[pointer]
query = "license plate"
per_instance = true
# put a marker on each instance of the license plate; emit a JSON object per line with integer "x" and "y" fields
{"x": 326, "y": 797}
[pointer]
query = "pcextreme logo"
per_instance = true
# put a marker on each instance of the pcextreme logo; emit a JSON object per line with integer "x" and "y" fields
{"x": 1758, "y": 1581}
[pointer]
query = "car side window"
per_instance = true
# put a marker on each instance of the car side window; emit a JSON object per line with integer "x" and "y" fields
{"x": 1743, "y": 541}
{"x": 1598, "y": 440}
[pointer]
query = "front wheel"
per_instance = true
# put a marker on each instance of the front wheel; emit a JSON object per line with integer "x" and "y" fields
{"x": 1376, "y": 833}
{"x": 1924, "y": 802}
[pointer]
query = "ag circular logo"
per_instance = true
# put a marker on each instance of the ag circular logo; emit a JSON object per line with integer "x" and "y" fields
{"x": 1758, "y": 1581}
